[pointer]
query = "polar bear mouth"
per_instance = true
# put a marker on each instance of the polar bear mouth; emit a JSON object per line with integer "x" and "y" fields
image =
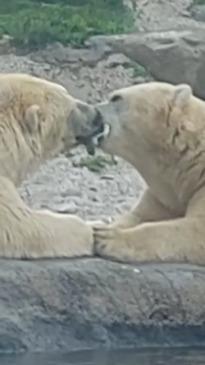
{"x": 98, "y": 138}
{"x": 93, "y": 141}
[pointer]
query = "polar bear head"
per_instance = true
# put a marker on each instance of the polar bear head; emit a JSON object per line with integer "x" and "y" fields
{"x": 158, "y": 128}
{"x": 38, "y": 120}
{"x": 148, "y": 118}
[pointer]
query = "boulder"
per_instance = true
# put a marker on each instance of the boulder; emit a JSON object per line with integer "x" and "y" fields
{"x": 51, "y": 305}
{"x": 58, "y": 54}
{"x": 170, "y": 56}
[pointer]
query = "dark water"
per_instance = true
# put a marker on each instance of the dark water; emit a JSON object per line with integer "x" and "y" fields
{"x": 128, "y": 357}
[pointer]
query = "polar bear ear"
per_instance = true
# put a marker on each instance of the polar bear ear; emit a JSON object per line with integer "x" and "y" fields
{"x": 182, "y": 95}
{"x": 32, "y": 118}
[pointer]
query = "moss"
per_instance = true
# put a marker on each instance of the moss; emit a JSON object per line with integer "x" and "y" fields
{"x": 139, "y": 71}
{"x": 96, "y": 164}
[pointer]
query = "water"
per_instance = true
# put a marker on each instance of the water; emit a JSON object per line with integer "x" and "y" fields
{"x": 128, "y": 357}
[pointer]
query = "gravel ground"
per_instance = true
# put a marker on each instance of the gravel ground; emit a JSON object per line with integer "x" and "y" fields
{"x": 62, "y": 186}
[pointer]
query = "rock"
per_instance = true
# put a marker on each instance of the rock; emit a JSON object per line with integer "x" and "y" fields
{"x": 58, "y": 54}
{"x": 115, "y": 60}
{"x": 140, "y": 80}
{"x": 164, "y": 15}
{"x": 171, "y": 56}
{"x": 198, "y": 12}
{"x": 62, "y": 206}
{"x": 6, "y": 44}
{"x": 51, "y": 305}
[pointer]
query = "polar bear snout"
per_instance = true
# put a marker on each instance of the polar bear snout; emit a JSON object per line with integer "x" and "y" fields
{"x": 89, "y": 123}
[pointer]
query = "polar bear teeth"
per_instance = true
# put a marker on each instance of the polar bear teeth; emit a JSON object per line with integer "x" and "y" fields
{"x": 97, "y": 139}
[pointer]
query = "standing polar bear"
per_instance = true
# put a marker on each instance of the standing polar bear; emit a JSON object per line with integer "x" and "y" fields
{"x": 160, "y": 129}
{"x": 38, "y": 119}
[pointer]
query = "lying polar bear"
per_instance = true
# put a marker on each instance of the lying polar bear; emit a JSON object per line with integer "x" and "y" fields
{"x": 160, "y": 129}
{"x": 38, "y": 119}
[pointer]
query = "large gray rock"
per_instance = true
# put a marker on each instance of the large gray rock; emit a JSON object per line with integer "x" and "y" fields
{"x": 58, "y": 54}
{"x": 89, "y": 303}
{"x": 171, "y": 56}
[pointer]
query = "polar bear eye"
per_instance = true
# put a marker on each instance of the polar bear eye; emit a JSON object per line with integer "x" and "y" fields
{"x": 115, "y": 98}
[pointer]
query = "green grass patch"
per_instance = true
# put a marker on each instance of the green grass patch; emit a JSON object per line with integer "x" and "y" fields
{"x": 96, "y": 164}
{"x": 199, "y": 2}
{"x": 34, "y": 24}
{"x": 139, "y": 71}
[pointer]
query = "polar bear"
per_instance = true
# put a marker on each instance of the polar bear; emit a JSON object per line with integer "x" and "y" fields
{"x": 160, "y": 129}
{"x": 38, "y": 119}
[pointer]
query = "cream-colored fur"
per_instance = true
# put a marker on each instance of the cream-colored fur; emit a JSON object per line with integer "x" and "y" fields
{"x": 160, "y": 129}
{"x": 38, "y": 119}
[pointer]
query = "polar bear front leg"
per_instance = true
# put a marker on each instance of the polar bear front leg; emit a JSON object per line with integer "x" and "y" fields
{"x": 26, "y": 233}
{"x": 45, "y": 235}
{"x": 148, "y": 209}
{"x": 62, "y": 235}
{"x": 180, "y": 240}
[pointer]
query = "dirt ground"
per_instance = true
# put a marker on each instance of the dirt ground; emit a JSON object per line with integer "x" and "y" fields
{"x": 62, "y": 185}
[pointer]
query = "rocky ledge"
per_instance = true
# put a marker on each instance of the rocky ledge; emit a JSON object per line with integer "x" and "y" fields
{"x": 90, "y": 303}
{"x": 170, "y": 56}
